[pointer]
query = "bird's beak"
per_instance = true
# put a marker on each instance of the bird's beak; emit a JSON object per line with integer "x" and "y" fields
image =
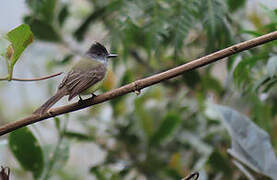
{"x": 112, "y": 55}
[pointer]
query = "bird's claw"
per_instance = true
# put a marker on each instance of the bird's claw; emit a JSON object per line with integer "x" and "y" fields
{"x": 80, "y": 99}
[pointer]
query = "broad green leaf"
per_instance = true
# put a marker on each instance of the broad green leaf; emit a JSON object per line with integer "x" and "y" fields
{"x": 272, "y": 66}
{"x": 42, "y": 30}
{"x": 20, "y": 37}
{"x": 251, "y": 145}
{"x": 26, "y": 148}
{"x": 167, "y": 127}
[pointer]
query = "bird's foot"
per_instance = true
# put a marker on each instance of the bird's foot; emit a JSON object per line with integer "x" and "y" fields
{"x": 93, "y": 95}
{"x": 80, "y": 99}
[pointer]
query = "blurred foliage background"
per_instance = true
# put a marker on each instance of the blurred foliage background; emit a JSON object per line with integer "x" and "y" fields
{"x": 170, "y": 129}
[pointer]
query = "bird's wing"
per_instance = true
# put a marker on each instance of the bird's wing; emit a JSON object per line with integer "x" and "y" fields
{"x": 78, "y": 81}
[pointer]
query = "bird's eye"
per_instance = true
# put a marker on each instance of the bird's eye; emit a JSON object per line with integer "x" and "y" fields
{"x": 98, "y": 54}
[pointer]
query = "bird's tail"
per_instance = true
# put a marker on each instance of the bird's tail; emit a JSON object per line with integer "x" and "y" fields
{"x": 49, "y": 103}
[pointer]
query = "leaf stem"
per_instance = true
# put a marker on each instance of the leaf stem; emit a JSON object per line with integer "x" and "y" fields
{"x": 10, "y": 72}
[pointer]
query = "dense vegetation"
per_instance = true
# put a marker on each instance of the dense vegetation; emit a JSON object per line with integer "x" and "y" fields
{"x": 172, "y": 129}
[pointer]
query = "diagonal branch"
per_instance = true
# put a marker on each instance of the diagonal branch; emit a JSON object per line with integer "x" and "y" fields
{"x": 142, "y": 83}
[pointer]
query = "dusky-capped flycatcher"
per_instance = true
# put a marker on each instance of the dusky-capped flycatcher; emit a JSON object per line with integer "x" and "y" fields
{"x": 85, "y": 77}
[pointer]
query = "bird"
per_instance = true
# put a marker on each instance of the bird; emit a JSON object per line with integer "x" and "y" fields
{"x": 85, "y": 77}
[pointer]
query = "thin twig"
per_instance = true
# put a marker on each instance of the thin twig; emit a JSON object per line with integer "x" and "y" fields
{"x": 193, "y": 176}
{"x": 33, "y": 79}
{"x": 142, "y": 83}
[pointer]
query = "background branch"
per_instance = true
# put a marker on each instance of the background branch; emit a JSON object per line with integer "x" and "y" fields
{"x": 142, "y": 83}
{"x": 32, "y": 79}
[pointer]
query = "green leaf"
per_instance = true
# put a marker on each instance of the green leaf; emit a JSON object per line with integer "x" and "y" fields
{"x": 78, "y": 136}
{"x": 57, "y": 123}
{"x": 42, "y": 30}
{"x": 97, "y": 14}
{"x": 252, "y": 33}
{"x": 48, "y": 9}
{"x": 251, "y": 145}
{"x": 191, "y": 78}
{"x": 214, "y": 19}
{"x": 260, "y": 83}
{"x": 208, "y": 82}
{"x": 235, "y": 4}
{"x": 242, "y": 70}
{"x": 25, "y": 147}
{"x": 270, "y": 85}
{"x": 98, "y": 173}
{"x": 180, "y": 20}
{"x": 128, "y": 77}
{"x": 272, "y": 66}
{"x": 63, "y": 14}
{"x": 230, "y": 62}
{"x": 44, "y": 9}
{"x": 20, "y": 37}
{"x": 167, "y": 127}
{"x": 219, "y": 162}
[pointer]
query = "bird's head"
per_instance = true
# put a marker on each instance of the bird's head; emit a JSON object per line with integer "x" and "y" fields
{"x": 99, "y": 52}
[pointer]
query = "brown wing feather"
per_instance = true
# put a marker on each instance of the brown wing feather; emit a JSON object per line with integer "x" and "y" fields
{"x": 78, "y": 81}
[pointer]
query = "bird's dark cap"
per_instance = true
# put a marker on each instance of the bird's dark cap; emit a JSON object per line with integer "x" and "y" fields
{"x": 97, "y": 48}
